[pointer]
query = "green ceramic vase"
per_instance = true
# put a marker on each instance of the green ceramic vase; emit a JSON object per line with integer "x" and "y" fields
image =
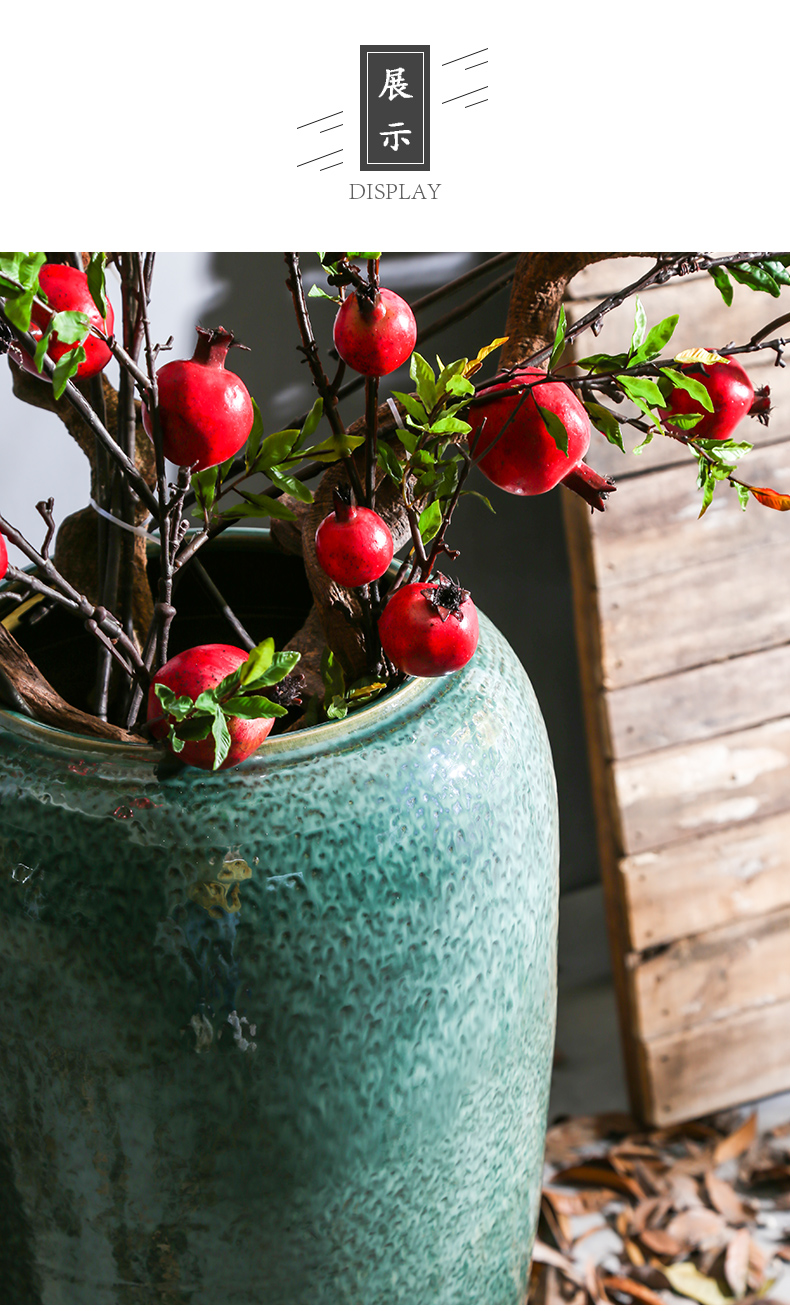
{"x": 282, "y": 1034}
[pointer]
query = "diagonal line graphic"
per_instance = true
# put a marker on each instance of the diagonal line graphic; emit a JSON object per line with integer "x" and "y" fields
{"x": 317, "y": 157}
{"x": 465, "y": 93}
{"x": 460, "y": 57}
{"x": 476, "y": 102}
{"x": 469, "y": 67}
{"x": 326, "y": 166}
{"x": 320, "y": 120}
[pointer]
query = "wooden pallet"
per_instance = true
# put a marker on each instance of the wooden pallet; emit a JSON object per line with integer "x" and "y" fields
{"x": 683, "y": 628}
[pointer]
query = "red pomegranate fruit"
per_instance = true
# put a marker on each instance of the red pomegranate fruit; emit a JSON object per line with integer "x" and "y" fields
{"x": 205, "y": 411}
{"x": 731, "y": 393}
{"x": 353, "y": 544}
{"x": 375, "y": 336}
{"x": 429, "y": 629}
{"x": 515, "y": 448}
{"x": 67, "y": 289}
{"x": 3, "y": 557}
{"x": 188, "y": 674}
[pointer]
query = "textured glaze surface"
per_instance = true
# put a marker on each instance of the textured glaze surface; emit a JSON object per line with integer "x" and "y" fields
{"x": 282, "y": 1034}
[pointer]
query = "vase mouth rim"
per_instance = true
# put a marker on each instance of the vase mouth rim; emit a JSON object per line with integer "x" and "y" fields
{"x": 315, "y": 737}
{"x": 301, "y": 741}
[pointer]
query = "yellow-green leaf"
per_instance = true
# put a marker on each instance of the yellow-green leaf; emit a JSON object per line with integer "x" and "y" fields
{"x": 700, "y": 356}
{"x": 687, "y": 1280}
{"x": 477, "y": 362}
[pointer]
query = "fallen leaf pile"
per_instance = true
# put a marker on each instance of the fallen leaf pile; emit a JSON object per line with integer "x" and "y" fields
{"x": 695, "y": 1214}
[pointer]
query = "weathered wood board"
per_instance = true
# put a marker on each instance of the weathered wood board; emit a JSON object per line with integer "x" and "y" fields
{"x": 725, "y": 877}
{"x": 683, "y": 628}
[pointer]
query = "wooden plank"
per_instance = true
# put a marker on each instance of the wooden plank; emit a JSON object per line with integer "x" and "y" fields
{"x": 652, "y": 524}
{"x": 707, "y": 882}
{"x": 724, "y": 1063}
{"x": 586, "y": 620}
{"x": 701, "y": 703}
{"x": 713, "y": 975}
{"x": 695, "y": 615}
{"x": 668, "y": 796}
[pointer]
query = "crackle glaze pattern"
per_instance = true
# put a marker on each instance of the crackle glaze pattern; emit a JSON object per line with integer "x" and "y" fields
{"x": 282, "y": 1034}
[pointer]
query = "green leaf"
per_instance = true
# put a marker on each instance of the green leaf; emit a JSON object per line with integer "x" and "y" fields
{"x": 29, "y": 269}
{"x": 457, "y": 385}
{"x": 257, "y": 662}
{"x": 743, "y": 495}
{"x": 756, "y": 277}
{"x": 656, "y": 340}
{"x": 640, "y": 327}
{"x": 480, "y": 497}
{"x": 559, "y": 341}
{"x": 282, "y": 663}
{"x": 684, "y": 421}
{"x": 9, "y": 267}
{"x": 96, "y": 284}
{"x": 222, "y": 738}
{"x": 204, "y": 485}
{"x": 644, "y": 443}
{"x": 388, "y": 461}
{"x": 708, "y": 488}
{"x": 641, "y": 390}
{"x": 721, "y": 278}
{"x": 337, "y": 708}
{"x": 556, "y": 428}
{"x": 430, "y": 521}
{"x": 413, "y": 407}
{"x": 777, "y": 271}
{"x": 66, "y": 368}
{"x": 363, "y": 690}
{"x": 696, "y": 389}
{"x": 274, "y": 449}
{"x": 287, "y": 483}
{"x": 727, "y": 451}
{"x": 208, "y": 701}
{"x": 253, "y": 707}
{"x": 449, "y": 423}
{"x": 447, "y": 372}
{"x": 254, "y": 437}
{"x": 335, "y": 447}
{"x": 41, "y": 349}
{"x": 363, "y": 254}
{"x": 606, "y": 423}
{"x": 258, "y": 506}
{"x": 333, "y": 676}
{"x": 318, "y": 293}
{"x": 194, "y": 730}
{"x": 172, "y": 704}
{"x": 312, "y": 421}
{"x": 424, "y": 378}
{"x": 18, "y": 308}
{"x": 70, "y": 326}
{"x": 603, "y": 363}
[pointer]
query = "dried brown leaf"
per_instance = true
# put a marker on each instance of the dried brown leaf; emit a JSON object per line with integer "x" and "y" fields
{"x": 594, "y": 1173}
{"x": 699, "y": 1228}
{"x": 632, "y": 1288}
{"x": 757, "y": 1260}
{"x": 559, "y": 1225}
{"x": 682, "y": 1190}
{"x": 639, "y": 1218}
{"x": 635, "y": 1254}
{"x": 582, "y": 1202}
{"x": 548, "y": 1256}
{"x": 565, "y": 1139}
{"x": 783, "y": 1253}
{"x": 661, "y": 1242}
{"x": 736, "y": 1262}
{"x": 594, "y": 1285}
{"x": 735, "y": 1144}
{"x": 726, "y": 1201}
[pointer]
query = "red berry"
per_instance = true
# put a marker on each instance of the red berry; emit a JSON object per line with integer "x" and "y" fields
{"x": 190, "y": 673}
{"x": 67, "y": 289}
{"x": 353, "y": 544}
{"x": 375, "y": 338}
{"x": 3, "y": 557}
{"x": 525, "y": 459}
{"x": 428, "y": 629}
{"x": 730, "y": 391}
{"x": 205, "y": 411}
